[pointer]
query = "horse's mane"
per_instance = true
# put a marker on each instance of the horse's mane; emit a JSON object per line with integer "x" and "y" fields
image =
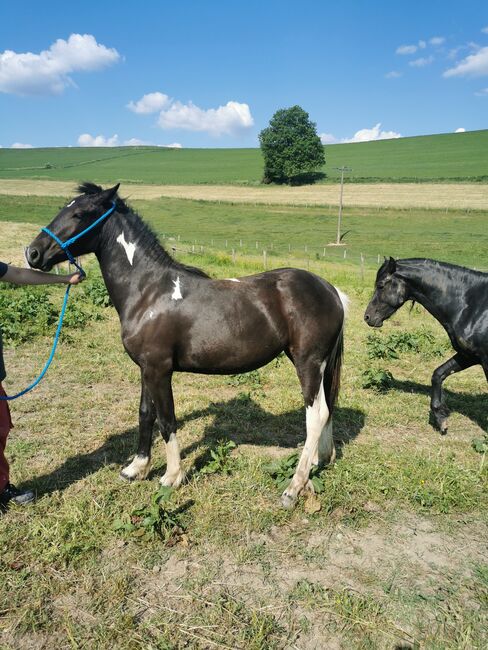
{"x": 147, "y": 238}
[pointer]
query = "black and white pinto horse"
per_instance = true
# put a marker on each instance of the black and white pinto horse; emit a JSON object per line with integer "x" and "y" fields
{"x": 176, "y": 318}
{"x": 456, "y": 296}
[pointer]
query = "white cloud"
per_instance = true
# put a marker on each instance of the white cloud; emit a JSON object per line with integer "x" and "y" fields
{"x": 327, "y": 138}
{"x": 485, "y": 30}
{"x": 136, "y": 142}
{"x": 150, "y": 103}
{"x": 393, "y": 74}
{"x": 474, "y": 65}
{"x": 421, "y": 62}
{"x": 173, "y": 114}
{"x": 87, "y": 140}
{"x": 375, "y": 133}
{"x": 437, "y": 40}
{"x": 460, "y": 130}
{"x": 47, "y": 73}
{"x": 217, "y": 121}
{"x": 21, "y": 145}
{"x": 422, "y": 45}
{"x": 482, "y": 93}
{"x": 173, "y": 145}
{"x": 406, "y": 49}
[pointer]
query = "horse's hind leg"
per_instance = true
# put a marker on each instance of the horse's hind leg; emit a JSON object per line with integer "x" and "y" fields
{"x": 319, "y": 436}
{"x": 139, "y": 468}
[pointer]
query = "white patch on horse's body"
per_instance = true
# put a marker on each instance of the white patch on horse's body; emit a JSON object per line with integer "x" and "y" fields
{"x": 233, "y": 280}
{"x": 176, "y": 295}
{"x": 138, "y": 469}
{"x": 70, "y": 204}
{"x": 174, "y": 475}
{"x": 318, "y": 442}
{"x": 129, "y": 247}
{"x": 345, "y": 300}
{"x": 151, "y": 314}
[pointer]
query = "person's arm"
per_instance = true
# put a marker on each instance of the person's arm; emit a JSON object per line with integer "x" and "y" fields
{"x": 15, "y": 275}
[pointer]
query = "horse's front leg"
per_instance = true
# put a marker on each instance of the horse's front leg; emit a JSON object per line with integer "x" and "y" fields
{"x": 139, "y": 468}
{"x": 162, "y": 394}
{"x": 438, "y": 410}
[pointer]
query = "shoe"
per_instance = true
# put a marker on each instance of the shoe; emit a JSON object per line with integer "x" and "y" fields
{"x": 11, "y": 494}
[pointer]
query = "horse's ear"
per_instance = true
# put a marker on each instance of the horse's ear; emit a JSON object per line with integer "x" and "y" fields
{"x": 108, "y": 195}
{"x": 392, "y": 265}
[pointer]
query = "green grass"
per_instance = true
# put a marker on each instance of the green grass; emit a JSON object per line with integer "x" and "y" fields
{"x": 294, "y": 234}
{"x": 455, "y": 157}
{"x": 394, "y": 557}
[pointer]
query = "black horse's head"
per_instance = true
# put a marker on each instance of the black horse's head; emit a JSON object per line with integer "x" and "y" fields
{"x": 390, "y": 292}
{"x": 44, "y": 252}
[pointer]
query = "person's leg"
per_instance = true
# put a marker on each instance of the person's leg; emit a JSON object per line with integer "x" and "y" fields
{"x": 8, "y": 492}
{"x": 5, "y": 426}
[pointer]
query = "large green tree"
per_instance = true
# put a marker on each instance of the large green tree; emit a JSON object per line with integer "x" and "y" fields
{"x": 291, "y": 147}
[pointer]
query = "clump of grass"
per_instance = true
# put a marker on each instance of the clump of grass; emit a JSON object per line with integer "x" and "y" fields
{"x": 221, "y": 462}
{"x": 480, "y": 445}
{"x": 420, "y": 341}
{"x": 156, "y": 520}
{"x": 377, "y": 379}
{"x": 282, "y": 471}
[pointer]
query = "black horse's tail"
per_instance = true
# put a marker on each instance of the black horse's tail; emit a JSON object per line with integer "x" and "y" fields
{"x": 332, "y": 373}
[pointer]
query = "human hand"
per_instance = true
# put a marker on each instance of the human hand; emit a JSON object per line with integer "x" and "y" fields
{"x": 76, "y": 278}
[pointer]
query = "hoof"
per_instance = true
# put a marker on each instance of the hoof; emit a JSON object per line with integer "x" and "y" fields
{"x": 173, "y": 480}
{"x": 288, "y": 501}
{"x": 125, "y": 477}
{"x": 438, "y": 419}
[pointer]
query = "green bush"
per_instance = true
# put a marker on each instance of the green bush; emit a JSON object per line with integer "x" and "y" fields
{"x": 95, "y": 290}
{"x": 377, "y": 379}
{"x": 25, "y": 312}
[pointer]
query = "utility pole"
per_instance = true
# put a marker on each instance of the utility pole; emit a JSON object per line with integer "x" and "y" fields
{"x": 339, "y": 220}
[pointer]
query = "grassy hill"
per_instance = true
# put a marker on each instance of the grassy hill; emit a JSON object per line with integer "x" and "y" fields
{"x": 460, "y": 156}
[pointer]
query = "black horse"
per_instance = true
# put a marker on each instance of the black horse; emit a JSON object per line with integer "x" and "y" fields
{"x": 456, "y": 296}
{"x": 176, "y": 318}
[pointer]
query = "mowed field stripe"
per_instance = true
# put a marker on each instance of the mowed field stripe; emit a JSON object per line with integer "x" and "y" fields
{"x": 395, "y": 195}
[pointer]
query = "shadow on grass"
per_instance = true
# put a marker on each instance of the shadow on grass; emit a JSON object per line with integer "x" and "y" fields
{"x": 241, "y": 420}
{"x": 474, "y": 407}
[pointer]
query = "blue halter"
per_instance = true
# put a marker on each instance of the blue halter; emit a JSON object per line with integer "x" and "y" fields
{"x": 64, "y": 246}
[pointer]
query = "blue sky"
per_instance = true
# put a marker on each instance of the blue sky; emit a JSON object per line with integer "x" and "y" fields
{"x": 211, "y": 74}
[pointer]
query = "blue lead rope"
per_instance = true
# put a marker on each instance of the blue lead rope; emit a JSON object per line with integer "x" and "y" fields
{"x": 51, "y": 356}
{"x": 64, "y": 247}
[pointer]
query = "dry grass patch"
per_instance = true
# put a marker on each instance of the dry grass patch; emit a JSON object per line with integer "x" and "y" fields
{"x": 397, "y": 195}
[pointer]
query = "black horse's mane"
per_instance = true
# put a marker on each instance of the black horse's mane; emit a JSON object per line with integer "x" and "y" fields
{"x": 147, "y": 238}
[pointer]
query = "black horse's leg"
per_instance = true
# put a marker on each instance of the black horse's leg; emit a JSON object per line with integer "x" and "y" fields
{"x": 139, "y": 468}
{"x": 311, "y": 376}
{"x": 439, "y": 411}
{"x": 159, "y": 385}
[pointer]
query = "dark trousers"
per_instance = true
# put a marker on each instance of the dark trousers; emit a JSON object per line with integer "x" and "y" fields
{"x": 5, "y": 426}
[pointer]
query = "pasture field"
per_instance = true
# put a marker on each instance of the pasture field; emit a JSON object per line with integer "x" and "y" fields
{"x": 295, "y": 234}
{"x": 447, "y": 197}
{"x": 444, "y": 157}
{"x": 390, "y": 554}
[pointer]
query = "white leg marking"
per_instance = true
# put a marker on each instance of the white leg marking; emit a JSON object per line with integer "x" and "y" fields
{"x": 174, "y": 475}
{"x": 317, "y": 416}
{"x": 129, "y": 247}
{"x": 176, "y": 295}
{"x": 233, "y": 280}
{"x": 138, "y": 469}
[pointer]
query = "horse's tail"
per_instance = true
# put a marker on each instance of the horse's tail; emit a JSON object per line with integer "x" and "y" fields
{"x": 332, "y": 373}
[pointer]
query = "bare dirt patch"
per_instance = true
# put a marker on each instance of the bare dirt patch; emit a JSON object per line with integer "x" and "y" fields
{"x": 399, "y": 195}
